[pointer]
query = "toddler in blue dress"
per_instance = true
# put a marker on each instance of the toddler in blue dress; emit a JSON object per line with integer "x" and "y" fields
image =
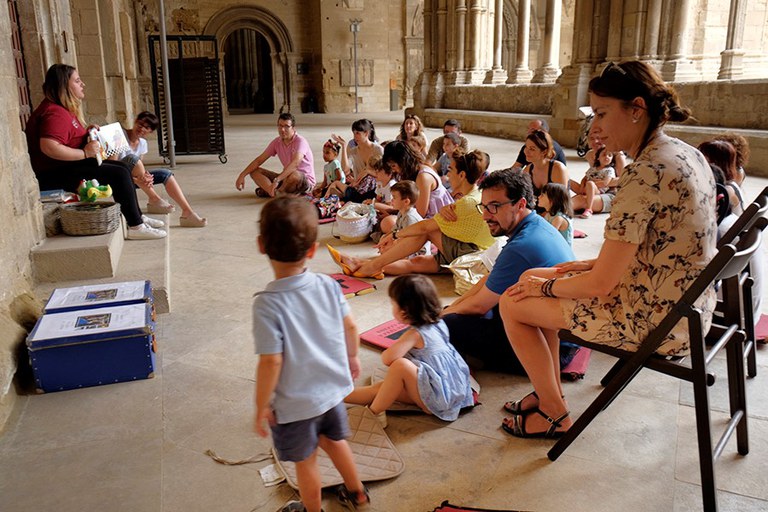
{"x": 424, "y": 368}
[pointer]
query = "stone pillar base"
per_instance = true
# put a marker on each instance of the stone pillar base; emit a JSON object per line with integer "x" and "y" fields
{"x": 679, "y": 70}
{"x": 496, "y": 76}
{"x": 475, "y": 76}
{"x": 731, "y": 65}
{"x": 456, "y": 77}
{"x": 546, "y": 75}
{"x": 520, "y": 76}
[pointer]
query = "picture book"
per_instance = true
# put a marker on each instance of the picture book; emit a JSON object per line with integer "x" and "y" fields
{"x": 351, "y": 286}
{"x": 112, "y": 140}
{"x": 385, "y": 335}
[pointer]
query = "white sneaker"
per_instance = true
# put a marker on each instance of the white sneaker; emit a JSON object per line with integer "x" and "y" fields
{"x": 145, "y": 232}
{"x": 153, "y": 223}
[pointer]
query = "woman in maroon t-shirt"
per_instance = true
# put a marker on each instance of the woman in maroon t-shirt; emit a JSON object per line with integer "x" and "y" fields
{"x": 62, "y": 156}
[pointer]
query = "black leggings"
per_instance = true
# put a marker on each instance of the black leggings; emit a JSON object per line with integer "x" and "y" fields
{"x": 111, "y": 172}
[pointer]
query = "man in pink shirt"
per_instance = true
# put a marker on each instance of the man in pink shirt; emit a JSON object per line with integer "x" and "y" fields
{"x": 298, "y": 174}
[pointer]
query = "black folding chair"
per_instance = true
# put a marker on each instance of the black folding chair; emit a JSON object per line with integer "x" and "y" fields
{"x": 729, "y": 261}
{"x": 743, "y": 285}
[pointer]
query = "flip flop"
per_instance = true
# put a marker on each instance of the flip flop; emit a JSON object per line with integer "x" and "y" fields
{"x": 336, "y": 257}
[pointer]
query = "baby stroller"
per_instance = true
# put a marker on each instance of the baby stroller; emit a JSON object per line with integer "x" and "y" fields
{"x": 582, "y": 146}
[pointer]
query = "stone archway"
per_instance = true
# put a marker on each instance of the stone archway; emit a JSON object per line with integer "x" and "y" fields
{"x": 227, "y": 21}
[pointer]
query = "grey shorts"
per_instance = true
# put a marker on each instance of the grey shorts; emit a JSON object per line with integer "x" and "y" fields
{"x": 296, "y": 441}
{"x": 607, "y": 201}
{"x": 452, "y": 249}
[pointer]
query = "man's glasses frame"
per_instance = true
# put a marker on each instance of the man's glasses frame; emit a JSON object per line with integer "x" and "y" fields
{"x": 492, "y": 208}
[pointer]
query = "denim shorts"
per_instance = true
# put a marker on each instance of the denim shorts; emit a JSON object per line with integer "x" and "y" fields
{"x": 298, "y": 440}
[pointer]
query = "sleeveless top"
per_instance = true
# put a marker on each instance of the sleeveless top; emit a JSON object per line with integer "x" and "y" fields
{"x": 537, "y": 190}
{"x": 568, "y": 231}
{"x": 439, "y": 197}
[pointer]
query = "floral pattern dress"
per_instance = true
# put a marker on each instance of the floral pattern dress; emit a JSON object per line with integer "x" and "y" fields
{"x": 665, "y": 204}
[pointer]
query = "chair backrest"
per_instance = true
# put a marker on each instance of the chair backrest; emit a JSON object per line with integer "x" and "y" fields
{"x": 746, "y": 246}
{"x": 719, "y": 268}
{"x": 751, "y": 213}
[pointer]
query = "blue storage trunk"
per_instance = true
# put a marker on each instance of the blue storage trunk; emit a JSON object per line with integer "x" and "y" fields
{"x": 91, "y": 347}
{"x": 99, "y": 296}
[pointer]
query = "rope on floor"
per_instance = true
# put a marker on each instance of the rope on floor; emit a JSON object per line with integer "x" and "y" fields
{"x": 259, "y": 457}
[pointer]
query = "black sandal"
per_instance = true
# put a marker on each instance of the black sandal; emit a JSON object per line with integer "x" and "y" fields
{"x": 516, "y": 407}
{"x": 518, "y": 427}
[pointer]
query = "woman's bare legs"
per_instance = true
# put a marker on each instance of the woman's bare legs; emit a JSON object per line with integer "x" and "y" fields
{"x": 580, "y": 203}
{"x": 173, "y": 189}
{"x": 137, "y": 174}
{"x": 538, "y": 350}
{"x": 399, "y": 254}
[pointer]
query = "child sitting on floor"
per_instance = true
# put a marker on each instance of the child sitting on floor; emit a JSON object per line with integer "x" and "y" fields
{"x": 144, "y": 124}
{"x": 451, "y": 141}
{"x": 307, "y": 356}
{"x": 404, "y": 196}
{"x": 382, "y": 203}
{"x": 331, "y": 170}
{"x": 424, "y": 368}
{"x": 602, "y": 171}
{"x": 556, "y": 201}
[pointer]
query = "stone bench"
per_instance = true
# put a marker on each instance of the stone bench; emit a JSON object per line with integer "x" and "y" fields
{"x": 63, "y": 261}
{"x": 507, "y": 125}
{"x": 514, "y": 125}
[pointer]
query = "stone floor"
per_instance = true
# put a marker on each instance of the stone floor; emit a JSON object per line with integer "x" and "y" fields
{"x": 140, "y": 446}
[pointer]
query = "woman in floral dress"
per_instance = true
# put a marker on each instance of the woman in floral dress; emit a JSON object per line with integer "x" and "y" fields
{"x": 658, "y": 238}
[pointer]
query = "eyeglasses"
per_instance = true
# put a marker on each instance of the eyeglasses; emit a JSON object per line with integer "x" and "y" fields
{"x": 612, "y": 66}
{"x": 492, "y": 208}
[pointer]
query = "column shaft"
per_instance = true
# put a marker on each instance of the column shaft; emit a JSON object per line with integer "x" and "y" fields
{"x": 522, "y": 73}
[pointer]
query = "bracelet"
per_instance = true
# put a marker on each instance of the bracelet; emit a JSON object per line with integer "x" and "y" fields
{"x": 546, "y": 288}
{"x": 394, "y": 235}
{"x": 85, "y": 155}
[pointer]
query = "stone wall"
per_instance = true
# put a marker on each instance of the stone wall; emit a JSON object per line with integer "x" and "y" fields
{"x": 21, "y": 221}
{"x": 380, "y": 54}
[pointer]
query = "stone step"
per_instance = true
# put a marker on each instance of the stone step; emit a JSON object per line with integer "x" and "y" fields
{"x": 138, "y": 260}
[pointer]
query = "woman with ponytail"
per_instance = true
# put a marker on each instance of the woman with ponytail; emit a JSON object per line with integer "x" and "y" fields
{"x": 659, "y": 236}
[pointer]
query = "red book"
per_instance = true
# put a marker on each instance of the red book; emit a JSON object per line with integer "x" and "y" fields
{"x": 385, "y": 335}
{"x": 351, "y": 286}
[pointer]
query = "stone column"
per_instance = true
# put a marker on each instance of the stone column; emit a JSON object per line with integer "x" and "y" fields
{"x": 652, "y": 30}
{"x": 421, "y": 95}
{"x": 497, "y": 75}
{"x": 476, "y": 73}
{"x": 458, "y": 73}
{"x": 616, "y": 24}
{"x": 522, "y": 74}
{"x": 678, "y": 66}
{"x": 732, "y": 58}
{"x": 441, "y": 46}
{"x": 551, "y": 69}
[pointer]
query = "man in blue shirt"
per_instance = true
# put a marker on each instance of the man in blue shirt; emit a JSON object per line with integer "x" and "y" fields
{"x": 474, "y": 323}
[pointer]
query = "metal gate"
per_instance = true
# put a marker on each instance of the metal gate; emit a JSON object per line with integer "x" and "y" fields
{"x": 193, "y": 71}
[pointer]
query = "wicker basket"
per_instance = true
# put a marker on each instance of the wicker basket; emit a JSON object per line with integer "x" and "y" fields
{"x": 357, "y": 227}
{"x": 90, "y": 218}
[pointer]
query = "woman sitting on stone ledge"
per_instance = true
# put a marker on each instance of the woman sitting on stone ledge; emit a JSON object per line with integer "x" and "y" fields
{"x": 61, "y": 154}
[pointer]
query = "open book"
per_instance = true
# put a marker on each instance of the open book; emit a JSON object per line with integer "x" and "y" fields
{"x": 111, "y": 139}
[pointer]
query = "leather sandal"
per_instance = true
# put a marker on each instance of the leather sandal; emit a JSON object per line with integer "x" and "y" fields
{"x": 516, "y": 407}
{"x": 517, "y": 427}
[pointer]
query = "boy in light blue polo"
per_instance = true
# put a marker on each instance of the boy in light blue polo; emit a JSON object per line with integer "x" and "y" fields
{"x": 307, "y": 343}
